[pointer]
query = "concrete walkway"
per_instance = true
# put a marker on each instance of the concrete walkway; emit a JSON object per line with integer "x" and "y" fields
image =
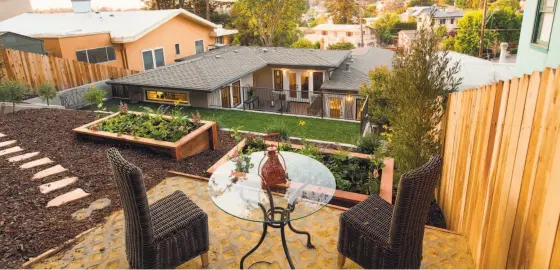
{"x": 231, "y": 238}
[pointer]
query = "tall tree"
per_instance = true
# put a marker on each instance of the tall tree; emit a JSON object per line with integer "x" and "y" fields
{"x": 384, "y": 26}
{"x": 417, "y": 88}
{"x": 342, "y": 11}
{"x": 202, "y": 8}
{"x": 267, "y": 22}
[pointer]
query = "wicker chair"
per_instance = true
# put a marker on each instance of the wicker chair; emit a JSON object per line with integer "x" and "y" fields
{"x": 374, "y": 234}
{"x": 165, "y": 234}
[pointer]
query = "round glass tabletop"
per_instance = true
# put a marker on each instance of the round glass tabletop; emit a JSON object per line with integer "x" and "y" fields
{"x": 309, "y": 188}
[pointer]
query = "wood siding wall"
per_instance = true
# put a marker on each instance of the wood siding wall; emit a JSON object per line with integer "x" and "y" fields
{"x": 500, "y": 184}
{"x": 34, "y": 69}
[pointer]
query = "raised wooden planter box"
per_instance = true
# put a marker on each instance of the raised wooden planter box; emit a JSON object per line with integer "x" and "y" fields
{"x": 200, "y": 139}
{"x": 386, "y": 187}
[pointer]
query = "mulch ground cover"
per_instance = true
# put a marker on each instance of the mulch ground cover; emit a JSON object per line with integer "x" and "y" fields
{"x": 27, "y": 228}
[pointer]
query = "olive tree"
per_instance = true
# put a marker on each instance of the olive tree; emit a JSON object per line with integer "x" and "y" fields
{"x": 47, "y": 91}
{"x": 13, "y": 92}
{"x": 95, "y": 96}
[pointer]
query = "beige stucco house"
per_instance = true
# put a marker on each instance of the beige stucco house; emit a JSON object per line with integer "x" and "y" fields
{"x": 329, "y": 33}
{"x": 437, "y": 17}
{"x": 137, "y": 40}
{"x": 11, "y": 8}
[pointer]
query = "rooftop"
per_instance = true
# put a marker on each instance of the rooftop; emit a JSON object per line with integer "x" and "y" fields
{"x": 363, "y": 60}
{"x": 211, "y": 70}
{"x": 476, "y": 71}
{"x": 123, "y": 26}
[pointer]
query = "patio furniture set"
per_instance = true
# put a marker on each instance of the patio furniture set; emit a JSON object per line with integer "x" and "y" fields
{"x": 374, "y": 233}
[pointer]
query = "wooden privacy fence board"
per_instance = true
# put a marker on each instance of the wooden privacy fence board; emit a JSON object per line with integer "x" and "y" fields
{"x": 501, "y": 171}
{"x": 35, "y": 69}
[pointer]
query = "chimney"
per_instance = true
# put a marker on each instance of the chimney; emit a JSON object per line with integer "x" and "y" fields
{"x": 81, "y": 6}
{"x": 503, "y": 52}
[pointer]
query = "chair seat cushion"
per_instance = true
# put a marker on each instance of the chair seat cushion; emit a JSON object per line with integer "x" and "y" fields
{"x": 372, "y": 217}
{"x": 173, "y": 213}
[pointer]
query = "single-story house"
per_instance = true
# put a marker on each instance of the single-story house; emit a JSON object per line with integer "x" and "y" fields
{"x": 18, "y": 42}
{"x": 136, "y": 40}
{"x": 316, "y": 82}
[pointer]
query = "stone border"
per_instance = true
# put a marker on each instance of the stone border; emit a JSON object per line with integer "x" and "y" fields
{"x": 385, "y": 189}
{"x": 203, "y": 138}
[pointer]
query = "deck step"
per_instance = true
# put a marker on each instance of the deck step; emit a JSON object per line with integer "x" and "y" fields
{"x": 7, "y": 143}
{"x": 11, "y": 151}
{"x": 48, "y": 172}
{"x": 73, "y": 195}
{"x": 52, "y": 186}
{"x": 23, "y": 157}
{"x": 35, "y": 163}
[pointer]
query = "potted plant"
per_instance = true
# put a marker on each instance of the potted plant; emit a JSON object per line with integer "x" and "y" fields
{"x": 242, "y": 165}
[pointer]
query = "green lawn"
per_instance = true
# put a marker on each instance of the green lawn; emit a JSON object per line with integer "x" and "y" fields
{"x": 318, "y": 129}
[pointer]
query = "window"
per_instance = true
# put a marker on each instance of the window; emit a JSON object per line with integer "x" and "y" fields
{"x": 153, "y": 58}
{"x": 543, "y": 22}
{"x": 324, "y": 33}
{"x": 442, "y": 21}
{"x": 452, "y": 21}
{"x": 177, "y": 49}
{"x": 278, "y": 80}
{"x": 349, "y": 34}
{"x": 97, "y": 55}
{"x": 199, "y": 46}
{"x": 165, "y": 96}
{"x": 219, "y": 40}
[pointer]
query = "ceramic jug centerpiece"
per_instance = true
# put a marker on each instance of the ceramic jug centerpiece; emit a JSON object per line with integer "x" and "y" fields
{"x": 272, "y": 171}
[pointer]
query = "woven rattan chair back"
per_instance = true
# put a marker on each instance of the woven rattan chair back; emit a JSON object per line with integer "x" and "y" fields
{"x": 410, "y": 214}
{"x": 138, "y": 227}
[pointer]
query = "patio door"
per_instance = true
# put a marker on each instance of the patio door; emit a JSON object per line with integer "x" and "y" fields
{"x": 236, "y": 93}
{"x": 305, "y": 85}
{"x": 334, "y": 107}
{"x": 292, "y": 78}
{"x": 225, "y": 97}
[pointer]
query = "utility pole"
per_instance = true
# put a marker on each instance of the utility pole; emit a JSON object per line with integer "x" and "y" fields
{"x": 207, "y": 9}
{"x": 361, "y": 22}
{"x": 481, "y": 47}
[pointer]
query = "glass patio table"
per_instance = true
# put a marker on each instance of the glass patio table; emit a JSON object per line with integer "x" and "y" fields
{"x": 309, "y": 188}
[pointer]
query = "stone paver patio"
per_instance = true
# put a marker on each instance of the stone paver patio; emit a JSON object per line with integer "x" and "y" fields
{"x": 231, "y": 238}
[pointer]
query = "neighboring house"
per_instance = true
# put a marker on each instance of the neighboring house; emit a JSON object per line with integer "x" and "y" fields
{"x": 406, "y": 37}
{"x": 476, "y": 72}
{"x": 321, "y": 82}
{"x": 18, "y": 42}
{"x": 539, "y": 43}
{"x": 412, "y": 13}
{"x": 11, "y": 8}
{"x": 439, "y": 16}
{"x": 136, "y": 40}
{"x": 328, "y": 34}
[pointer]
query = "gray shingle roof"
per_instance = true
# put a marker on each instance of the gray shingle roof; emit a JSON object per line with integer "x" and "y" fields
{"x": 211, "y": 70}
{"x": 363, "y": 60}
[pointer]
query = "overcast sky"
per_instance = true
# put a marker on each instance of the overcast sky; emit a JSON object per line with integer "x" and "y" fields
{"x": 46, "y": 4}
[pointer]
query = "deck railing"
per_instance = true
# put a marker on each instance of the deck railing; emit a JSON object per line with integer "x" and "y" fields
{"x": 348, "y": 106}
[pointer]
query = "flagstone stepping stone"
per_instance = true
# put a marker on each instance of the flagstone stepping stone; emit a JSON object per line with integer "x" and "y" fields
{"x": 96, "y": 205}
{"x": 23, "y": 157}
{"x": 11, "y": 151}
{"x": 48, "y": 172}
{"x": 2, "y": 135}
{"x": 48, "y": 187}
{"x": 7, "y": 143}
{"x": 36, "y": 163}
{"x": 73, "y": 195}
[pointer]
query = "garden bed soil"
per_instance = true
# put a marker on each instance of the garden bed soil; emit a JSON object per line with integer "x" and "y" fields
{"x": 27, "y": 228}
{"x": 202, "y": 137}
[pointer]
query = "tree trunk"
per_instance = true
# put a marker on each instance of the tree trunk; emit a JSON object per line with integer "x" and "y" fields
{"x": 207, "y": 9}
{"x": 13, "y": 107}
{"x": 48, "y": 102}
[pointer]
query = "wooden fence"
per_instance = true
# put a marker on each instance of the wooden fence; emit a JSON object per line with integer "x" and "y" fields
{"x": 500, "y": 184}
{"x": 34, "y": 69}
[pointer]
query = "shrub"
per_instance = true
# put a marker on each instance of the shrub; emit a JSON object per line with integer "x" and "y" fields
{"x": 369, "y": 144}
{"x": 342, "y": 46}
{"x": 280, "y": 128}
{"x": 13, "y": 92}
{"x": 304, "y": 43}
{"x": 47, "y": 91}
{"x": 95, "y": 96}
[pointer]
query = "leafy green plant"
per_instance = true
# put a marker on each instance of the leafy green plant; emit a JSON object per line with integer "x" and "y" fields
{"x": 47, "y": 91}
{"x": 235, "y": 134}
{"x": 369, "y": 144}
{"x": 279, "y": 127}
{"x": 311, "y": 150}
{"x": 95, "y": 96}
{"x": 13, "y": 92}
{"x": 342, "y": 46}
{"x": 242, "y": 162}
